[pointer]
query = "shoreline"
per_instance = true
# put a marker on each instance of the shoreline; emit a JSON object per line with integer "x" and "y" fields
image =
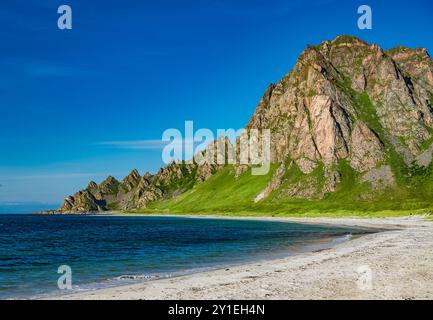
{"x": 399, "y": 260}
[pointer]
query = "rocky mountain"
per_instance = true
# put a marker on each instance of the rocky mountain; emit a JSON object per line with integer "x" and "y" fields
{"x": 135, "y": 191}
{"x": 348, "y": 111}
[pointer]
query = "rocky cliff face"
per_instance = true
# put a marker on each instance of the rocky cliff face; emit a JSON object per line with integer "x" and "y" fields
{"x": 346, "y": 100}
{"x": 345, "y": 105}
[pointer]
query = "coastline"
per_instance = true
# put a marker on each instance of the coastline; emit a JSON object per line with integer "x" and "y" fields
{"x": 399, "y": 259}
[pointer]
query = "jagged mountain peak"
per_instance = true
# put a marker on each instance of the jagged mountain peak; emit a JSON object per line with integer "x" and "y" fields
{"x": 131, "y": 180}
{"x": 92, "y": 185}
{"x": 348, "y": 39}
{"x": 406, "y": 51}
{"x": 134, "y": 174}
{"x": 110, "y": 179}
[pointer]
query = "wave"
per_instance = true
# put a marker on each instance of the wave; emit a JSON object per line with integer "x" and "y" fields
{"x": 137, "y": 277}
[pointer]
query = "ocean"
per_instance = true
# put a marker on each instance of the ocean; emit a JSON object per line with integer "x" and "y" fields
{"x": 115, "y": 250}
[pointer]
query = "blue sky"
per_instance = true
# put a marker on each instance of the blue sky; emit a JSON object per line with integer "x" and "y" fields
{"x": 128, "y": 70}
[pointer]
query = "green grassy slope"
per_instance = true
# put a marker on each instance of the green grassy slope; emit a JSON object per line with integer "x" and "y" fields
{"x": 224, "y": 194}
{"x": 221, "y": 193}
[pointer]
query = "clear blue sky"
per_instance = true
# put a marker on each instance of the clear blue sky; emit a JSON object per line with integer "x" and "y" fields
{"x": 128, "y": 70}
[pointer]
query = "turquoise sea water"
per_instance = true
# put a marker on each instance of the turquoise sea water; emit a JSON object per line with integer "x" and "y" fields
{"x": 111, "y": 250}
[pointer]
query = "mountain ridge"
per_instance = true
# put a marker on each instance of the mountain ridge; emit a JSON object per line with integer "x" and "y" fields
{"x": 347, "y": 111}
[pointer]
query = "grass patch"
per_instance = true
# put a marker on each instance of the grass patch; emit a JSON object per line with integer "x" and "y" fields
{"x": 225, "y": 195}
{"x": 222, "y": 192}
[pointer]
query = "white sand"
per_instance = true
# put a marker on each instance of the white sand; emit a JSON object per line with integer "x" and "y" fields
{"x": 401, "y": 264}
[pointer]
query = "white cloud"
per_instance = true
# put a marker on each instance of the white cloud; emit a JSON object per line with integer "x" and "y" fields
{"x": 51, "y": 176}
{"x": 139, "y": 144}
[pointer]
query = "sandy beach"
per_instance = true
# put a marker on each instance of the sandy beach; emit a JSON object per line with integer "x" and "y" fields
{"x": 393, "y": 264}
